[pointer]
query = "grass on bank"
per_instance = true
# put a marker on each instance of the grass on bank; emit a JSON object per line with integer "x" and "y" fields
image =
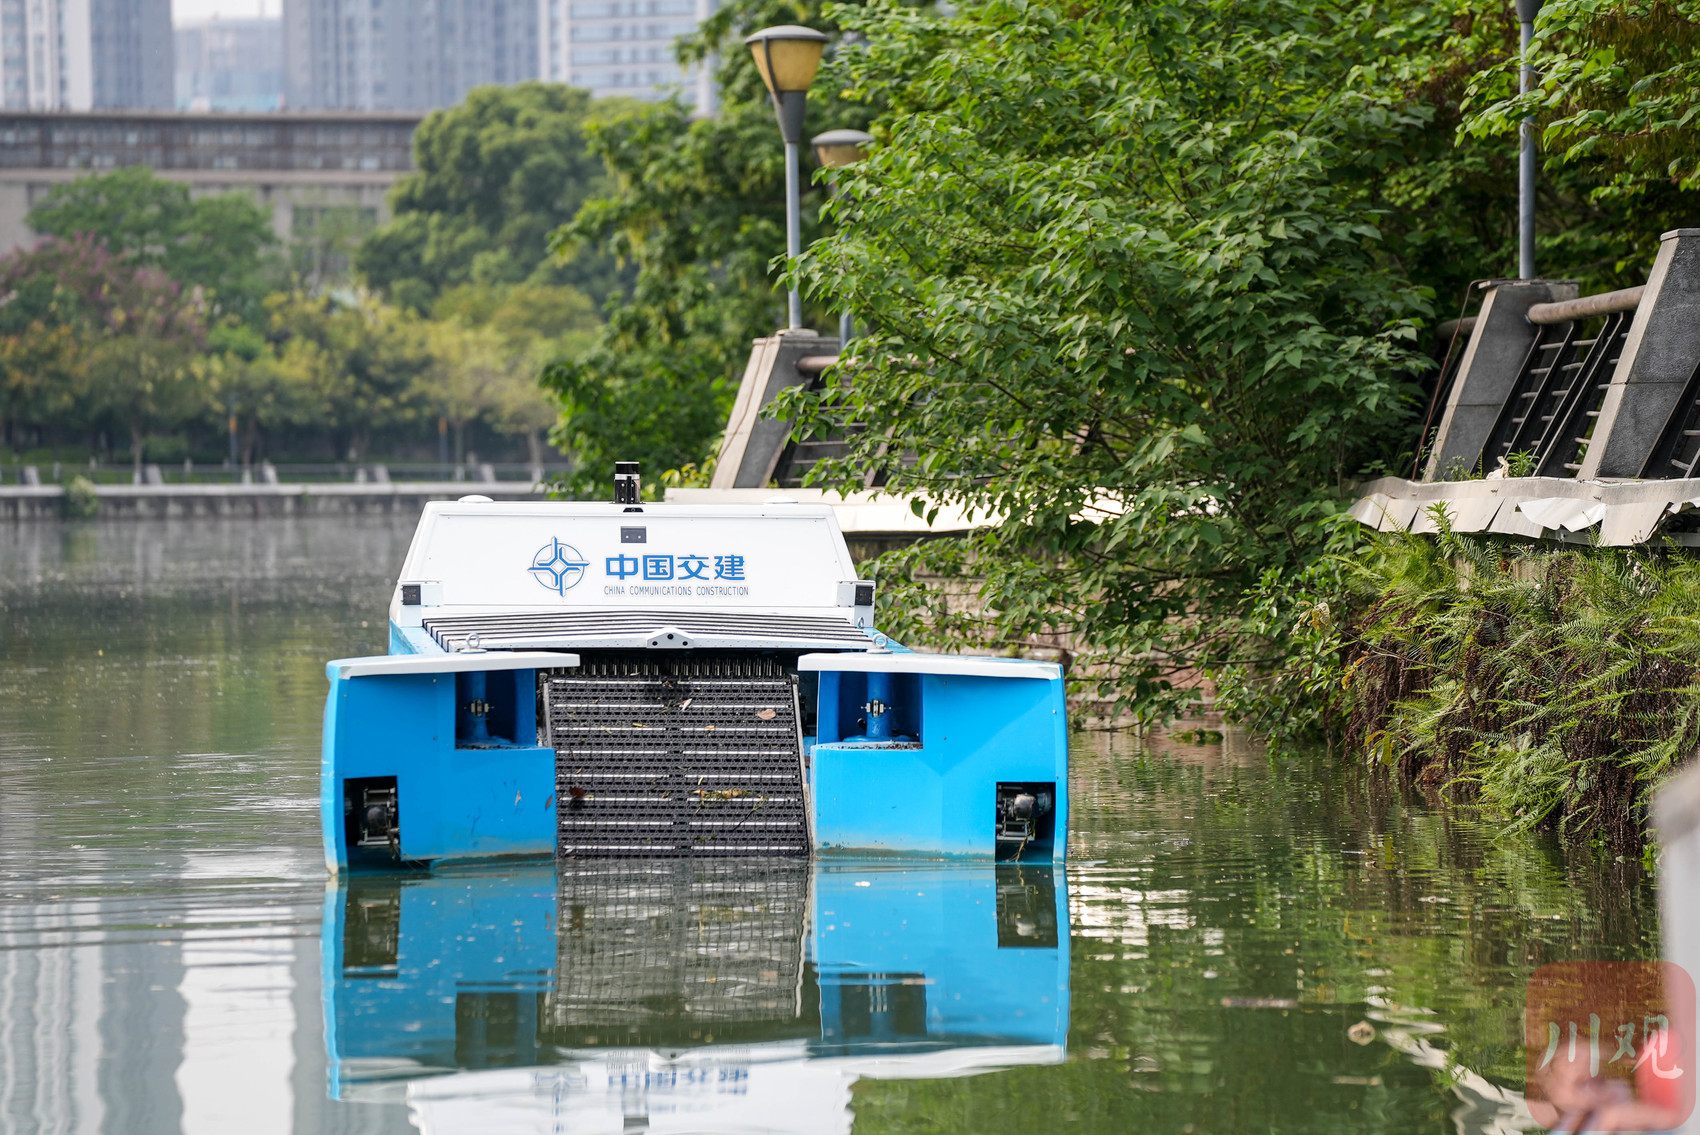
{"x": 1556, "y": 685}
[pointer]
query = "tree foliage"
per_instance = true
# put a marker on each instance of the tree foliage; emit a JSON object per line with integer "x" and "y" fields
{"x": 1619, "y": 87}
{"x": 360, "y": 361}
{"x": 1138, "y": 306}
{"x": 1149, "y": 284}
{"x": 494, "y": 176}
{"x": 696, "y": 210}
{"x": 41, "y": 331}
{"x": 94, "y": 342}
{"x": 241, "y": 376}
{"x": 657, "y": 383}
{"x": 82, "y": 346}
{"x": 506, "y": 337}
{"x": 101, "y": 336}
{"x": 221, "y": 244}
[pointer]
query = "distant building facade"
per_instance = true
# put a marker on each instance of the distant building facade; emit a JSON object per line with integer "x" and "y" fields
{"x": 423, "y": 54}
{"x": 404, "y": 54}
{"x": 85, "y": 54}
{"x": 623, "y": 47}
{"x": 304, "y": 168}
{"x": 229, "y": 65}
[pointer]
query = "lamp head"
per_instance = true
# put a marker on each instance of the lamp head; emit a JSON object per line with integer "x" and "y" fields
{"x": 837, "y": 148}
{"x": 787, "y": 57}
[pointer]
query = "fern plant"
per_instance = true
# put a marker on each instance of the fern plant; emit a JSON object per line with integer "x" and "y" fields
{"x": 1559, "y": 686}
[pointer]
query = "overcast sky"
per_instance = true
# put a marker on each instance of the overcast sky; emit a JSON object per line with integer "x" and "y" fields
{"x": 184, "y": 10}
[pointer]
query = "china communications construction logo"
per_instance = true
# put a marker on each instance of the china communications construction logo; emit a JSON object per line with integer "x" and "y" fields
{"x": 558, "y": 566}
{"x": 1610, "y": 1046}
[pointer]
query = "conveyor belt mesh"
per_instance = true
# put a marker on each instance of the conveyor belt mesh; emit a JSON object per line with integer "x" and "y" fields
{"x": 670, "y": 758}
{"x": 664, "y": 946}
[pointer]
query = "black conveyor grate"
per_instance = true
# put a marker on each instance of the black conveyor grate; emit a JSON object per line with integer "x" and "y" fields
{"x": 657, "y": 949}
{"x": 676, "y": 757}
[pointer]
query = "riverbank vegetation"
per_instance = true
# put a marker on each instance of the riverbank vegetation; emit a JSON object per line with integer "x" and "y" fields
{"x": 1155, "y": 284}
{"x": 1556, "y": 685}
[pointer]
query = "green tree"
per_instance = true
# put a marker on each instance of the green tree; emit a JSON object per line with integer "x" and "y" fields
{"x": 43, "y": 329}
{"x": 1619, "y": 88}
{"x": 523, "y": 312}
{"x": 468, "y": 365}
{"x": 520, "y": 329}
{"x": 698, "y": 211}
{"x": 1130, "y": 293}
{"x": 696, "y": 207}
{"x": 143, "y": 377}
{"x": 493, "y": 177}
{"x": 222, "y": 244}
{"x": 323, "y": 240}
{"x": 359, "y": 358}
{"x": 88, "y": 335}
{"x": 1148, "y": 284}
{"x": 246, "y": 382}
{"x": 519, "y": 407}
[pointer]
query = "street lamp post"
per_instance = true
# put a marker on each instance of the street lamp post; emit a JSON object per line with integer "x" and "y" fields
{"x": 787, "y": 57}
{"x": 1527, "y": 10}
{"x": 834, "y": 150}
{"x": 839, "y": 148}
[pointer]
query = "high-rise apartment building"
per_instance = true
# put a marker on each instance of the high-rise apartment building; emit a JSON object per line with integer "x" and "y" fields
{"x": 422, "y": 54}
{"x": 404, "y": 54}
{"x": 623, "y": 47}
{"x": 85, "y": 54}
{"x": 230, "y": 64}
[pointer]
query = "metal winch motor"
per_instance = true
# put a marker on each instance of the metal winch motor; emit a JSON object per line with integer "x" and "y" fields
{"x": 1023, "y": 812}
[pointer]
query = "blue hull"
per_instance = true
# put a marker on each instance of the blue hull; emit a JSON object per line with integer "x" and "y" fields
{"x": 960, "y": 737}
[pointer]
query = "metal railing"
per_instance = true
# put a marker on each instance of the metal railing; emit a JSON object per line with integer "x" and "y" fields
{"x": 265, "y": 472}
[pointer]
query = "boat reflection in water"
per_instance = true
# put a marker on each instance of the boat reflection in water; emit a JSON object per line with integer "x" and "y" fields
{"x": 707, "y": 995}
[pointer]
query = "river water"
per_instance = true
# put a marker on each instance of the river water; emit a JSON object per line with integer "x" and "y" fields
{"x": 1236, "y": 945}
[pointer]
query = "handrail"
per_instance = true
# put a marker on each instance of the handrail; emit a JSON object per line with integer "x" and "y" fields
{"x": 814, "y": 364}
{"x": 1463, "y": 328}
{"x": 1564, "y": 311}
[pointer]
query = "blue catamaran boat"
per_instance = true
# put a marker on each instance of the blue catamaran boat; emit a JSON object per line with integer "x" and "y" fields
{"x": 593, "y": 680}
